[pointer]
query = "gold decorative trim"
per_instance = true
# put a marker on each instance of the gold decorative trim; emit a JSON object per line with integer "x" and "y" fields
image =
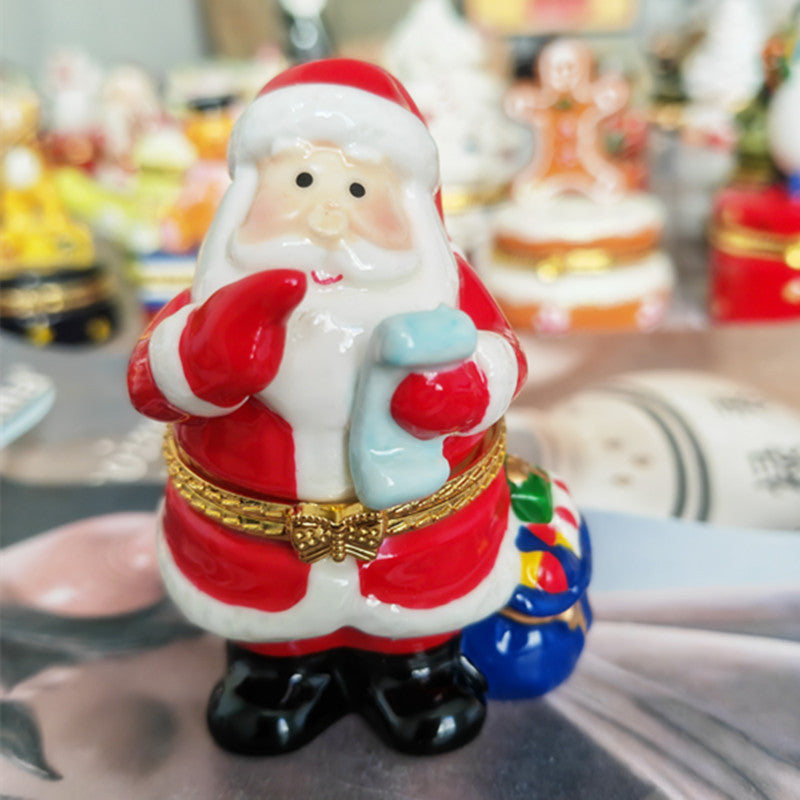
{"x": 738, "y": 240}
{"x": 518, "y": 469}
{"x": 335, "y": 530}
{"x": 790, "y": 292}
{"x": 146, "y": 275}
{"x": 577, "y": 261}
{"x": 573, "y": 616}
{"x": 13, "y": 270}
{"x": 150, "y": 280}
{"x": 456, "y": 200}
{"x": 53, "y": 297}
{"x": 670, "y": 116}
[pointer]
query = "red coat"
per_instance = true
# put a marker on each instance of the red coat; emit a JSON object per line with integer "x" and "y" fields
{"x": 251, "y": 451}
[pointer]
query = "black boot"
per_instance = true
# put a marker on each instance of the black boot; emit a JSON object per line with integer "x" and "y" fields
{"x": 268, "y": 705}
{"x": 423, "y": 703}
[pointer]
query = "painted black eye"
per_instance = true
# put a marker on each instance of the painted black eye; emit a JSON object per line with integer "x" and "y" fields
{"x": 357, "y": 190}
{"x": 304, "y": 179}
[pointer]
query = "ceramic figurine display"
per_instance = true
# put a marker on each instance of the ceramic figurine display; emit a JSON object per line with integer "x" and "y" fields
{"x": 94, "y": 117}
{"x": 52, "y": 289}
{"x": 158, "y": 169}
{"x": 755, "y": 231}
{"x": 161, "y": 274}
{"x": 131, "y": 215}
{"x": 577, "y": 247}
{"x": 207, "y": 126}
{"x": 241, "y": 79}
{"x": 128, "y": 107}
{"x": 158, "y": 208}
{"x": 723, "y": 73}
{"x": 164, "y": 159}
{"x": 340, "y": 506}
{"x": 459, "y": 89}
{"x": 70, "y": 95}
{"x": 754, "y": 163}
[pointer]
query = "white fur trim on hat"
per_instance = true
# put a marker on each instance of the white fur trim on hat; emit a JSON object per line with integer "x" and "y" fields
{"x": 365, "y": 125}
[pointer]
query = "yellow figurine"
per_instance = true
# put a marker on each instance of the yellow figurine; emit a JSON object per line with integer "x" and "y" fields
{"x": 36, "y": 230}
{"x": 52, "y": 289}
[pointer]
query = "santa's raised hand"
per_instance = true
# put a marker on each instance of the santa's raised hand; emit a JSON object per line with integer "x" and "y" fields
{"x": 230, "y": 346}
{"x": 439, "y": 402}
{"x": 233, "y": 343}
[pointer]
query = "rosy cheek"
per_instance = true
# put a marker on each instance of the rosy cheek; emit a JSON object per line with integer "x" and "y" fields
{"x": 268, "y": 217}
{"x": 380, "y": 219}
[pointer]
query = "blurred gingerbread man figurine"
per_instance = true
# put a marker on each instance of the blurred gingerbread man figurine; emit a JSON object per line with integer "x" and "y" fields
{"x": 564, "y": 110}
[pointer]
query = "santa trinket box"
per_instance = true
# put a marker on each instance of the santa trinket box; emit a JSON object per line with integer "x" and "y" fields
{"x": 340, "y": 504}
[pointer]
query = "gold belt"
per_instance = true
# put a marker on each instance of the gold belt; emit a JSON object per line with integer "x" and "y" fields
{"x": 738, "y": 240}
{"x": 576, "y": 261}
{"x": 335, "y": 530}
{"x": 54, "y": 297}
{"x": 456, "y": 200}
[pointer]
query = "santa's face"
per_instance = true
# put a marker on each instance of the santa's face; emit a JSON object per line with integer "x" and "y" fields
{"x": 340, "y": 219}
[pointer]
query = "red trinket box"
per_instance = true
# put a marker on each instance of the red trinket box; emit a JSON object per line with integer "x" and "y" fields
{"x": 755, "y": 255}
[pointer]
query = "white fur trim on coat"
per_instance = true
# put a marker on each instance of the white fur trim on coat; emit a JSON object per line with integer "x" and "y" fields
{"x": 495, "y": 357}
{"x": 168, "y": 372}
{"x": 333, "y": 601}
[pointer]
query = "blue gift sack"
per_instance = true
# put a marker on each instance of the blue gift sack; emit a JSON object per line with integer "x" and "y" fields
{"x": 533, "y": 643}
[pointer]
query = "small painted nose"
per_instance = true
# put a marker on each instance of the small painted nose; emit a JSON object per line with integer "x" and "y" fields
{"x": 328, "y": 220}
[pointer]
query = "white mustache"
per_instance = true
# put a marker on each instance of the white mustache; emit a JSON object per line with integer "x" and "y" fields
{"x": 360, "y": 260}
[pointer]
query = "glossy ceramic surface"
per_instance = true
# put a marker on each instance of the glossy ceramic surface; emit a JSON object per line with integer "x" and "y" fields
{"x": 755, "y": 255}
{"x": 335, "y": 383}
{"x": 565, "y": 109}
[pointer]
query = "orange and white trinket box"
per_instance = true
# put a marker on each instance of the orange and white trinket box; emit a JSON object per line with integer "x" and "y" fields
{"x": 567, "y": 262}
{"x": 578, "y": 246}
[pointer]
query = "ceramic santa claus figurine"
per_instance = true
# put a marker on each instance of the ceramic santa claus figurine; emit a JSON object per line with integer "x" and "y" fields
{"x": 335, "y": 381}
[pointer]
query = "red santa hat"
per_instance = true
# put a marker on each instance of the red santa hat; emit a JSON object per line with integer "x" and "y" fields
{"x": 356, "y": 105}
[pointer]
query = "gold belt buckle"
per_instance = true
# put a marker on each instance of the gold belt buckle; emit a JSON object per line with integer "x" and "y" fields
{"x": 318, "y": 531}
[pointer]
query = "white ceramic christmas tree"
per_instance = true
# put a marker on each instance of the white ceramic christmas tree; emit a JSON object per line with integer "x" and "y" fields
{"x": 725, "y": 71}
{"x": 446, "y": 65}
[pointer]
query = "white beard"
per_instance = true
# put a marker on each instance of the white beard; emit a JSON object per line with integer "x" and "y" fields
{"x": 326, "y": 343}
{"x": 328, "y": 333}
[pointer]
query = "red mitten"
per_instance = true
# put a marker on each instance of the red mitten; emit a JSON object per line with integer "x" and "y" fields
{"x": 232, "y": 344}
{"x": 438, "y": 403}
